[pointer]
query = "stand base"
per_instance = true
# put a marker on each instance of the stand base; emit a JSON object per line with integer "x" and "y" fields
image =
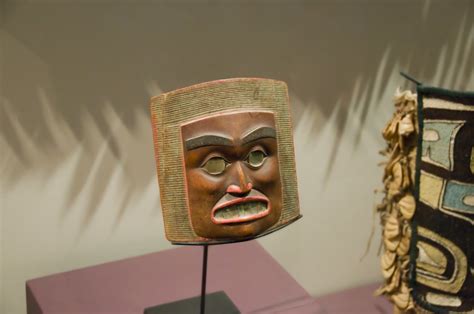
{"x": 216, "y": 303}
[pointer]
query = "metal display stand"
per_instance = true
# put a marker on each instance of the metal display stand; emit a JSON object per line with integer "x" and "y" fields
{"x": 217, "y": 302}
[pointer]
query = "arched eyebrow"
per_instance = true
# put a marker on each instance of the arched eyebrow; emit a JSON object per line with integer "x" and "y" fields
{"x": 259, "y": 133}
{"x": 207, "y": 140}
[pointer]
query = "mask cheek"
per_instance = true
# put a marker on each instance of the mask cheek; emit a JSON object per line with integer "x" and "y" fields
{"x": 204, "y": 191}
{"x": 202, "y": 182}
{"x": 268, "y": 174}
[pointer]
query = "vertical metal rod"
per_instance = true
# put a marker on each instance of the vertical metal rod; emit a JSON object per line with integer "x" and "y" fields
{"x": 204, "y": 277}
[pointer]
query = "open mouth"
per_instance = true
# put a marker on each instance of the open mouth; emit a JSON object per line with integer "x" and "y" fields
{"x": 240, "y": 209}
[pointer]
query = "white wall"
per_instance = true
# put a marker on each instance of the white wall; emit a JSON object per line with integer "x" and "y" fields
{"x": 77, "y": 176}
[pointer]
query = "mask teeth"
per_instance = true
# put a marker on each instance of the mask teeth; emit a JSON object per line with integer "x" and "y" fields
{"x": 240, "y": 210}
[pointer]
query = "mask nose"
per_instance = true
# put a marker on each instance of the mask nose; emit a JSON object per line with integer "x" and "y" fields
{"x": 243, "y": 186}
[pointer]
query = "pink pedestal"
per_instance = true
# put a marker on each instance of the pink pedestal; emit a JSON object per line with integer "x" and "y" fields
{"x": 356, "y": 300}
{"x": 251, "y": 278}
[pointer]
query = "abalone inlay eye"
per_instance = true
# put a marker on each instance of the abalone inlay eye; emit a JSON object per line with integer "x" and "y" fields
{"x": 215, "y": 165}
{"x": 256, "y": 158}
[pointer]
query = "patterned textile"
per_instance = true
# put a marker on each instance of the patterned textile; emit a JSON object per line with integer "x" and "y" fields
{"x": 442, "y": 252}
{"x": 427, "y": 213}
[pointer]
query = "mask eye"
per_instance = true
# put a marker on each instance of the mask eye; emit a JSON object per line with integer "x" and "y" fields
{"x": 256, "y": 158}
{"x": 215, "y": 165}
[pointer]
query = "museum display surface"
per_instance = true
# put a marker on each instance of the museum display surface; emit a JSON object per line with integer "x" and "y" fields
{"x": 427, "y": 213}
{"x": 130, "y": 285}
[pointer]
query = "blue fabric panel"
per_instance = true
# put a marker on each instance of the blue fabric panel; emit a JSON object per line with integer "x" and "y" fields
{"x": 456, "y": 195}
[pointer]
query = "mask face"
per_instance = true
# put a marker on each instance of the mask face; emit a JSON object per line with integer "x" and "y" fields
{"x": 225, "y": 160}
{"x": 232, "y": 174}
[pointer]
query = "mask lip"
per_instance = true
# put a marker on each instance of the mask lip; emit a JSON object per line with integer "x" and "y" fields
{"x": 241, "y": 200}
{"x": 237, "y": 240}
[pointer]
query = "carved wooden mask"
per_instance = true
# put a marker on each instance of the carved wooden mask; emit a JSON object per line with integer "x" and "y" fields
{"x": 225, "y": 160}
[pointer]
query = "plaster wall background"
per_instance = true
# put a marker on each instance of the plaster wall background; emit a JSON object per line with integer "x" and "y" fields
{"x": 77, "y": 175}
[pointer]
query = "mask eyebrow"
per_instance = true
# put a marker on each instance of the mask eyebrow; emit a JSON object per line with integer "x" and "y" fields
{"x": 262, "y": 132}
{"x": 207, "y": 140}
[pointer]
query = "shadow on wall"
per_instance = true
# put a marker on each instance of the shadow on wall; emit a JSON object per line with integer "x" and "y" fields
{"x": 72, "y": 61}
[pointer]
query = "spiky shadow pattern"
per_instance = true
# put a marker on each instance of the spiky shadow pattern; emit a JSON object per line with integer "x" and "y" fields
{"x": 83, "y": 61}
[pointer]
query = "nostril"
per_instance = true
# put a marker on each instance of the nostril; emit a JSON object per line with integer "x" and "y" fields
{"x": 235, "y": 189}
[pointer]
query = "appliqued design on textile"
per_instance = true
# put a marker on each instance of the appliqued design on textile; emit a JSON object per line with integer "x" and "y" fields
{"x": 430, "y": 259}
{"x": 458, "y": 197}
{"x": 443, "y": 257}
{"x": 438, "y": 142}
{"x": 472, "y": 160}
{"x": 431, "y": 188}
{"x": 431, "y": 264}
{"x": 443, "y": 299}
{"x": 451, "y": 197}
{"x": 437, "y": 103}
